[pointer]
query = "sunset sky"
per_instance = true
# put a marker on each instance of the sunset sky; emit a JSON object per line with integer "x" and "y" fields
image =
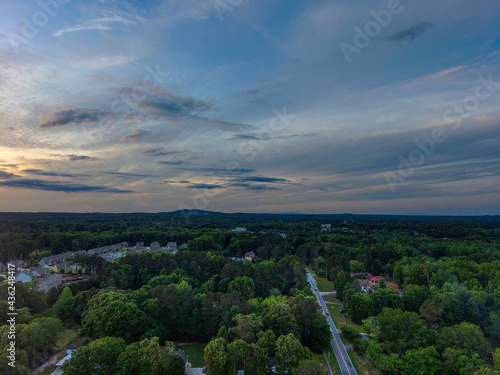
{"x": 260, "y": 106}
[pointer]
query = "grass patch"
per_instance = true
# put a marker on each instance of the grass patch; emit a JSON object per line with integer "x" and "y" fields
{"x": 332, "y": 299}
{"x": 324, "y": 285}
{"x": 195, "y": 353}
{"x": 361, "y": 363}
{"x": 340, "y": 320}
{"x": 66, "y": 337}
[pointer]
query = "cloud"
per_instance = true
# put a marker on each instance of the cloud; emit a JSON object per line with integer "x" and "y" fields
{"x": 205, "y": 186}
{"x": 39, "y": 172}
{"x": 103, "y": 23}
{"x": 134, "y": 136}
{"x": 221, "y": 171}
{"x": 126, "y": 175}
{"x": 7, "y": 175}
{"x": 62, "y": 116}
{"x": 168, "y": 103}
{"x": 174, "y": 162}
{"x": 161, "y": 151}
{"x": 229, "y": 126}
{"x": 74, "y": 157}
{"x": 263, "y": 179}
{"x": 411, "y": 33}
{"x": 59, "y": 186}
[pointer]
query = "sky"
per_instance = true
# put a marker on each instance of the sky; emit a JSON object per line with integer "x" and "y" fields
{"x": 321, "y": 106}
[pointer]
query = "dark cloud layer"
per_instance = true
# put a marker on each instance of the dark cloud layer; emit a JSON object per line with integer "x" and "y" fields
{"x": 6, "y": 175}
{"x": 63, "y": 116}
{"x": 40, "y": 172}
{"x": 59, "y": 186}
{"x": 134, "y": 136}
{"x": 411, "y": 33}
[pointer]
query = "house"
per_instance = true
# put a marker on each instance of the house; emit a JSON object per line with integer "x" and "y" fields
{"x": 39, "y": 272}
{"x": 69, "y": 353}
{"x": 57, "y": 276}
{"x": 283, "y": 235}
{"x": 109, "y": 257}
{"x": 20, "y": 264}
{"x": 250, "y": 256}
{"x": 3, "y": 267}
{"x": 61, "y": 267}
{"x": 325, "y": 227}
{"x": 375, "y": 280}
{"x": 154, "y": 246}
{"x": 240, "y": 229}
{"x": 365, "y": 287}
{"x": 172, "y": 246}
{"x": 79, "y": 253}
{"x": 23, "y": 277}
{"x": 184, "y": 246}
{"x": 238, "y": 259}
{"x": 47, "y": 284}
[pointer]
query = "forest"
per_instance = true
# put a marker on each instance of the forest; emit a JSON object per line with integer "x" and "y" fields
{"x": 435, "y": 310}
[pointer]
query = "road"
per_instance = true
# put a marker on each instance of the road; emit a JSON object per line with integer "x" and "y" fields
{"x": 339, "y": 349}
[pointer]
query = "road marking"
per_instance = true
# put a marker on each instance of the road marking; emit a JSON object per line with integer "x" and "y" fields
{"x": 333, "y": 335}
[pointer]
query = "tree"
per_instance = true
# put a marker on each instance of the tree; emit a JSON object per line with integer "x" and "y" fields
{"x": 160, "y": 359}
{"x": 357, "y": 267}
{"x": 465, "y": 336}
{"x": 494, "y": 327}
{"x": 61, "y": 306}
{"x": 97, "y": 358}
{"x": 496, "y": 359}
{"x": 112, "y": 314}
{"x": 238, "y": 353}
{"x": 415, "y": 296}
{"x": 246, "y": 328}
{"x": 216, "y": 357}
{"x": 281, "y": 320}
{"x": 244, "y": 285}
{"x": 359, "y": 306}
{"x": 400, "y": 330}
{"x": 290, "y": 352}
{"x": 314, "y": 328}
{"x": 340, "y": 282}
{"x": 309, "y": 367}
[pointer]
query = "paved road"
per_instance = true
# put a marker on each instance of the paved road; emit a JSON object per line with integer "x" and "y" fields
{"x": 339, "y": 349}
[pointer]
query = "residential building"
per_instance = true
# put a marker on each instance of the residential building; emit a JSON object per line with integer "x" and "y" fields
{"x": 154, "y": 246}
{"x": 61, "y": 267}
{"x": 172, "y": 246}
{"x": 250, "y": 256}
{"x": 375, "y": 280}
{"x": 39, "y": 272}
{"x": 23, "y": 277}
{"x": 56, "y": 276}
{"x": 47, "y": 284}
{"x": 325, "y": 227}
{"x": 240, "y": 229}
{"x": 19, "y": 264}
